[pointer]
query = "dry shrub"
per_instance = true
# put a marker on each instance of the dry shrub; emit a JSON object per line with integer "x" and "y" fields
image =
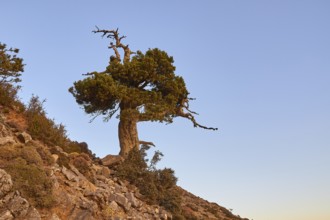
{"x": 25, "y": 165}
{"x": 158, "y": 186}
{"x": 82, "y": 162}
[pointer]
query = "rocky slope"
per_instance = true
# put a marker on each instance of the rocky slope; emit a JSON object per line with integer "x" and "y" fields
{"x": 42, "y": 182}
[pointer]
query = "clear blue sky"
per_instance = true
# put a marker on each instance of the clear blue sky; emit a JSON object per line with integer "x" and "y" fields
{"x": 260, "y": 71}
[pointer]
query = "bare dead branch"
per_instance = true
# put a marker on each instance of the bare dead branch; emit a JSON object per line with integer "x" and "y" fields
{"x": 189, "y": 115}
{"x": 114, "y": 35}
{"x": 193, "y": 120}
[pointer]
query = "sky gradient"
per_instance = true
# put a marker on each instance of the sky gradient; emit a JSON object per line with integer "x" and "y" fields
{"x": 259, "y": 71}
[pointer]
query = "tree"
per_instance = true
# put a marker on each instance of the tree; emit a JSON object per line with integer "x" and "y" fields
{"x": 141, "y": 86}
{"x": 11, "y": 66}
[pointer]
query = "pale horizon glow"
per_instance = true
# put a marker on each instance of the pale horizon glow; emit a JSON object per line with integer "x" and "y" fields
{"x": 260, "y": 71}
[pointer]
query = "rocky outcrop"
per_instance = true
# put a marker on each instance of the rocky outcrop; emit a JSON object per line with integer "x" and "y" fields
{"x": 82, "y": 193}
{"x": 105, "y": 198}
{"x": 6, "y": 136}
{"x": 12, "y": 205}
{"x": 24, "y": 137}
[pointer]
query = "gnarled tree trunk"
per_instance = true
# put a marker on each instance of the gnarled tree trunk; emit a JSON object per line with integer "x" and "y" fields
{"x": 128, "y": 136}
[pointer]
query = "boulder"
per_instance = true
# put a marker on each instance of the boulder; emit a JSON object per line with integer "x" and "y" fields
{"x": 55, "y": 156}
{"x": 54, "y": 217}
{"x": 120, "y": 200}
{"x": 4, "y": 131}
{"x": 6, "y": 215}
{"x": 70, "y": 175}
{"x": 111, "y": 160}
{"x": 24, "y": 137}
{"x": 131, "y": 198}
{"x": 7, "y": 140}
{"x": 113, "y": 205}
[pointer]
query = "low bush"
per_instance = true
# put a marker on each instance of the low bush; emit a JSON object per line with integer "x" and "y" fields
{"x": 46, "y": 130}
{"x": 82, "y": 162}
{"x": 9, "y": 98}
{"x": 158, "y": 186}
{"x": 25, "y": 165}
{"x": 41, "y": 127}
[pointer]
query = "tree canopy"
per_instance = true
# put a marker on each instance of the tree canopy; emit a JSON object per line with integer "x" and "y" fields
{"x": 139, "y": 87}
{"x": 11, "y": 66}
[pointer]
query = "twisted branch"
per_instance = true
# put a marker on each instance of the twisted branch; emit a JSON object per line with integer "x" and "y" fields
{"x": 114, "y": 35}
{"x": 190, "y": 114}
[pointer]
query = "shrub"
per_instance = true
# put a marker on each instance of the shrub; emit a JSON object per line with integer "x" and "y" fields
{"x": 8, "y": 96}
{"x": 82, "y": 162}
{"x": 24, "y": 164}
{"x": 43, "y": 128}
{"x": 79, "y": 147}
{"x": 45, "y": 155}
{"x": 32, "y": 182}
{"x": 158, "y": 186}
{"x": 46, "y": 130}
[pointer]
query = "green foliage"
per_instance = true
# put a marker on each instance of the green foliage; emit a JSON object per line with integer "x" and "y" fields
{"x": 11, "y": 66}
{"x": 45, "y": 155}
{"x": 46, "y": 130}
{"x": 82, "y": 162}
{"x": 79, "y": 147}
{"x": 41, "y": 127}
{"x": 8, "y": 94}
{"x": 142, "y": 86}
{"x": 157, "y": 185}
{"x": 146, "y": 87}
{"x": 25, "y": 165}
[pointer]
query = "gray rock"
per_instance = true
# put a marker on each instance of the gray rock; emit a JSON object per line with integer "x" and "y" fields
{"x": 32, "y": 214}
{"x": 70, "y": 175}
{"x": 7, "y": 140}
{"x": 24, "y": 137}
{"x": 6, "y": 183}
{"x": 6, "y": 215}
{"x": 18, "y": 206}
{"x": 111, "y": 160}
{"x": 120, "y": 200}
{"x": 55, "y": 156}
{"x": 163, "y": 216}
{"x": 131, "y": 198}
{"x": 82, "y": 215}
{"x": 118, "y": 188}
{"x": 4, "y": 131}
{"x": 54, "y": 217}
{"x": 113, "y": 205}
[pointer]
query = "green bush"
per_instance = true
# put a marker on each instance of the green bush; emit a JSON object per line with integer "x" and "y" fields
{"x": 158, "y": 186}
{"x": 32, "y": 181}
{"x": 46, "y": 130}
{"x": 25, "y": 165}
{"x": 79, "y": 147}
{"x": 43, "y": 128}
{"x": 45, "y": 155}
{"x": 8, "y": 97}
{"x": 82, "y": 162}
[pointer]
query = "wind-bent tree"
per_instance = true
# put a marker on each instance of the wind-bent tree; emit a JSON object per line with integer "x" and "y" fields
{"x": 141, "y": 86}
